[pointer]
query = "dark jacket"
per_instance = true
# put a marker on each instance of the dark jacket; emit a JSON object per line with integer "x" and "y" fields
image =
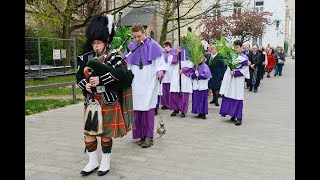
{"x": 282, "y": 55}
{"x": 262, "y": 57}
{"x": 249, "y": 54}
{"x": 109, "y": 80}
{"x": 217, "y": 70}
{"x": 256, "y": 59}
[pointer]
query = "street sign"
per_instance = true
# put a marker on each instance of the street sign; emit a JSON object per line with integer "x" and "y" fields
{"x": 56, "y": 54}
{"x": 63, "y": 53}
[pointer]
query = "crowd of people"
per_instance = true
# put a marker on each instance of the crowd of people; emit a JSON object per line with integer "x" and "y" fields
{"x": 131, "y": 92}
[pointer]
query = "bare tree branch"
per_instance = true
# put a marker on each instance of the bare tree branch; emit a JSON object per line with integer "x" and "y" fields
{"x": 118, "y": 9}
{"x": 55, "y": 7}
{"x": 114, "y": 11}
{"x": 77, "y": 26}
{"x": 175, "y": 5}
{"x": 191, "y": 8}
{"x": 181, "y": 26}
{"x": 198, "y": 15}
{"x": 81, "y": 4}
{"x": 140, "y": 6}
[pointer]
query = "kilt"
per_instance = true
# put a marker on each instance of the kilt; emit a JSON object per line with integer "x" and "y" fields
{"x": 127, "y": 108}
{"x": 115, "y": 122}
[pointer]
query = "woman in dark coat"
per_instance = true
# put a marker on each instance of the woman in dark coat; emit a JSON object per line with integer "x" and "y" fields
{"x": 217, "y": 68}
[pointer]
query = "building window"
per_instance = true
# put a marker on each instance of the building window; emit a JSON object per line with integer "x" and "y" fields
{"x": 237, "y": 8}
{"x": 259, "y": 3}
{"x": 259, "y": 9}
{"x": 277, "y": 25}
{"x": 215, "y": 13}
{"x": 259, "y": 6}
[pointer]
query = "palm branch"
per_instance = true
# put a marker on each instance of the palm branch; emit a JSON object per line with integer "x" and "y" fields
{"x": 228, "y": 54}
{"x": 193, "y": 47}
{"x": 121, "y": 34}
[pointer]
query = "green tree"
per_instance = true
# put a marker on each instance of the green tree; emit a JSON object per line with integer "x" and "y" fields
{"x": 65, "y": 16}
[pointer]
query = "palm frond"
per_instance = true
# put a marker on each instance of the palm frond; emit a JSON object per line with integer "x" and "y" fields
{"x": 121, "y": 34}
{"x": 228, "y": 54}
{"x": 193, "y": 47}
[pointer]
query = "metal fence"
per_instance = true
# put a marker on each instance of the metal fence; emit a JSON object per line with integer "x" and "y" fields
{"x": 49, "y": 56}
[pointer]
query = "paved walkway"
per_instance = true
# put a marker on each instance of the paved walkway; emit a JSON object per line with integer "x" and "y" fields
{"x": 262, "y": 148}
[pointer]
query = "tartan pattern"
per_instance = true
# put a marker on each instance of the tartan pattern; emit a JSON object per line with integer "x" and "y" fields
{"x": 127, "y": 108}
{"x": 106, "y": 146}
{"x": 91, "y": 146}
{"x": 113, "y": 121}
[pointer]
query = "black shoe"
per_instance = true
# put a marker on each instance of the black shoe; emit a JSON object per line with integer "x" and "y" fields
{"x": 182, "y": 115}
{"x": 233, "y": 119}
{"x": 174, "y": 113}
{"x": 255, "y": 90}
{"x": 268, "y": 76}
{"x": 250, "y": 89}
{"x": 211, "y": 102}
{"x": 203, "y": 116}
{"x": 164, "y": 107}
{"x": 280, "y": 74}
{"x": 237, "y": 122}
{"x": 141, "y": 141}
{"x": 147, "y": 143}
{"x": 156, "y": 112}
{"x": 199, "y": 115}
{"x": 84, "y": 173}
{"x": 102, "y": 173}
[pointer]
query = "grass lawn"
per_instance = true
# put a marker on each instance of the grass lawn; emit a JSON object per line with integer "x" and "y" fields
{"x": 60, "y": 91}
{"x": 51, "y": 80}
{"x": 49, "y": 98}
{"x": 40, "y": 105}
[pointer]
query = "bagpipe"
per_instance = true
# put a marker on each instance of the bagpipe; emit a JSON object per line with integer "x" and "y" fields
{"x": 97, "y": 68}
{"x": 113, "y": 59}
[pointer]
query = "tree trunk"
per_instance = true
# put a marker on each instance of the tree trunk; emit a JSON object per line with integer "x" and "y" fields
{"x": 166, "y": 16}
{"x": 66, "y": 33}
{"x": 164, "y": 30}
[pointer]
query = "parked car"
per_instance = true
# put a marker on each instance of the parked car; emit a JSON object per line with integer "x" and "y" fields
{"x": 293, "y": 54}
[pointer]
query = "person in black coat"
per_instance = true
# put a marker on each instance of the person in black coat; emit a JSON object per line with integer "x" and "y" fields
{"x": 217, "y": 68}
{"x": 254, "y": 68}
{"x": 261, "y": 66}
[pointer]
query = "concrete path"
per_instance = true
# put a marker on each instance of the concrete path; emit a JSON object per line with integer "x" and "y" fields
{"x": 262, "y": 148}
